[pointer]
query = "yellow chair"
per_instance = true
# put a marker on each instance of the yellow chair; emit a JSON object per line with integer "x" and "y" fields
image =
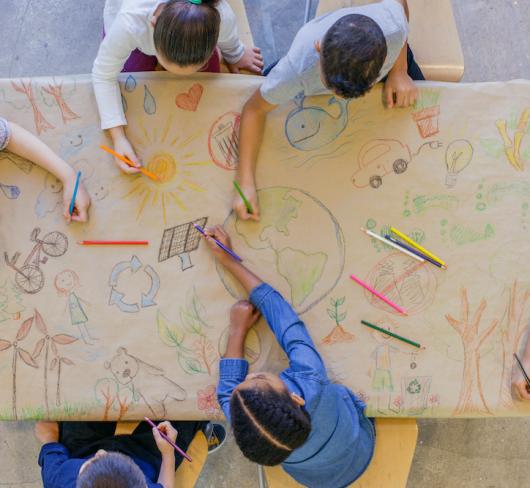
{"x": 390, "y": 466}
{"x": 187, "y": 473}
{"x": 433, "y": 36}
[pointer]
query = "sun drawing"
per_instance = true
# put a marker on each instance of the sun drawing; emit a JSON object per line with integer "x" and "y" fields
{"x": 169, "y": 158}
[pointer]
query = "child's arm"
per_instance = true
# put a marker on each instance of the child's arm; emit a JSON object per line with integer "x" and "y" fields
{"x": 399, "y": 83}
{"x": 519, "y": 383}
{"x": 250, "y": 137}
{"x": 28, "y": 146}
{"x": 52, "y": 455}
{"x": 166, "y": 477}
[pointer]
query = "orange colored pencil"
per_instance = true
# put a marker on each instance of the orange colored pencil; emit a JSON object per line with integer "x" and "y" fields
{"x": 129, "y": 162}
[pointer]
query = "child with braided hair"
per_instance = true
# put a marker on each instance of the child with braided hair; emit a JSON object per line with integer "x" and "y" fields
{"x": 315, "y": 429}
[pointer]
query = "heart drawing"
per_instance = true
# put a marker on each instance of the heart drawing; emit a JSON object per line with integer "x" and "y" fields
{"x": 190, "y": 101}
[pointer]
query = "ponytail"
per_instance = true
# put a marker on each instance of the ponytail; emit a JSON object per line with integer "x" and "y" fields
{"x": 186, "y": 31}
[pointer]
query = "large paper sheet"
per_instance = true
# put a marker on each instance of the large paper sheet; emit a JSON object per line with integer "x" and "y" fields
{"x": 106, "y": 333}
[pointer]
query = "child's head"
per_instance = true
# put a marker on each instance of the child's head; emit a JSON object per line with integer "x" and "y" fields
{"x": 186, "y": 33}
{"x": 110, "y": 470}
{"x": 352, "y": 52}
{"x": 66, "y": 281}
{"x": 269, "y": 423}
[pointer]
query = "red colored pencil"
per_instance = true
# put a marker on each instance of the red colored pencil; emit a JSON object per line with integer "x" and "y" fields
{"x": 179, "y": 450}
{"x": 113, "y": 243}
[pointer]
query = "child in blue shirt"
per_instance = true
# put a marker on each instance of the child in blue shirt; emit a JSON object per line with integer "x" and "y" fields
{"x": 316, "y": 429}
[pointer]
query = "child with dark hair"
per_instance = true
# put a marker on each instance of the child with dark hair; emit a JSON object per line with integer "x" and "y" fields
{"x": 344, "y": 53}
{"x": 317, "y": 430}
{"x": 182, "y": 36}
{"x": 89, "y": 455}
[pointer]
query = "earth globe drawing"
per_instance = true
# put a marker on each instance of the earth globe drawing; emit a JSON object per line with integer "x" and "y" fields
{"x": 297, "y": 246}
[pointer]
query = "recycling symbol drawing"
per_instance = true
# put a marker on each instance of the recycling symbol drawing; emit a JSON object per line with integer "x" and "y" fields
{"x": 146, "y": 299}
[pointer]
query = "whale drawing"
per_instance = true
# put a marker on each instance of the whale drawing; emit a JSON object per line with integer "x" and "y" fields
{"x": 310, "y": 128}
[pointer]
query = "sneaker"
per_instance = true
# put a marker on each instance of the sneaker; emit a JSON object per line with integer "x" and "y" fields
{"x": 215, "y": 435}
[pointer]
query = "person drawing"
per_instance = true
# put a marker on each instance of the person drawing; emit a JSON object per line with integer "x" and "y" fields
{"x": 382, "y": 382}
{"x": 65, "y": 283}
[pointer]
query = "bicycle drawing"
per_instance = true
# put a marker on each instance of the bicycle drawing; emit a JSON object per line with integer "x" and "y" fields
{"x": 29, "y": 277}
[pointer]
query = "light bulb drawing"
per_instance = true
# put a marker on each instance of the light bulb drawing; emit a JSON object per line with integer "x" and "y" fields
{"x": 457, "y": 158}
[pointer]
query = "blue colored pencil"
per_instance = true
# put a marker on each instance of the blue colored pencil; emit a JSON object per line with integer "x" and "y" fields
{"x": 220, "y": 244}
{"x": 414, "y": 251}
{"x": 72, "y": 203}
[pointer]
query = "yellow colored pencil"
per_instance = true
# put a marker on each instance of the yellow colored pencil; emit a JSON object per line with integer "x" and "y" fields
{"x": 408, "y": 240}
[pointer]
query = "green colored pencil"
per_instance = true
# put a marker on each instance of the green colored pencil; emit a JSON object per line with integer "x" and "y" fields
{"x": 391, "y": 334}
{"x": 244, "y": 198}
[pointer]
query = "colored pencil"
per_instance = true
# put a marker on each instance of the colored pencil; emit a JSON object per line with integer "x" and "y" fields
{"x": 244, "y": 198}
{"x": 391, "y": 334}
{"x": 408, "y": 240}
{"x": 129, "y": 162}
{"x": 414, "y": 251}
{"x": 220, "y": 244}
{"x": 523, "y": 371}
{"x": 378, "y": 295}
{"x": 113, "y": 243}
{"x": 391, "y": 244}
{"x": 177, "y": 448}
{"x": 76, "y": 187}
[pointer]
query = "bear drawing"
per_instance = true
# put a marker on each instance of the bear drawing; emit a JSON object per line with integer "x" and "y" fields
{"x": 147, "y": 382}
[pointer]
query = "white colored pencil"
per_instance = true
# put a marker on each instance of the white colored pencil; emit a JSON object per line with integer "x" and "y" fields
{"x": 391, "y": 244}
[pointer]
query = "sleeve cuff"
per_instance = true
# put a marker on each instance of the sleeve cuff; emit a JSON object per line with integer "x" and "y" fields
{"x": 52, "y": 448}
{"x": 233, "y": 368}
{"x": 109, "y": 124}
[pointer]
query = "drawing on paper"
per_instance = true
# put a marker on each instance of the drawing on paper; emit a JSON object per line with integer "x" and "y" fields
{"x": 73, "y": 142}
{"x": 190, "y": 100}
{"x": 99, "y": 188}
{"x": 207, "y": 402}
{"x": 113, "y": 396}
{"x": 130, "y": 84}
{"x": 149, "y": 102}
{"x": 297, "y": 242}
{"x": 11, "y": 305}
{"x": 50, "y": 343}
{"x": 148, "y": 383}
{"x": 415, "y": 394}
{"x": 125, "y": 284}
{"x": 423, "y": 203}
{"x": 458, "y": 157}
{"x": 223, "y": 140}
{"x": 310, "y": 128}
{"x": 407, "y": 282}
{"x": 461, "y": 234}
{"x": 195, "y": 351}
{"x": 252, "y": 346}
{"x": 10, "y": 191}
{"x": 41, "y": 124}
{"x": 338, "y": 333}
{"x": 29, "y": 277}
{"x": 181, "y": 241}
{"x": 380, "y": 157}
{"x": 66, "y": 282}
{"x": 50, "y": 197}
{"x": 471, "y": 398}
{"x": 426, "y": 111}
{"x": 512, "y": 147}
{"x": 56, "y": 91}
{"x": 22, "y": 164}
{"x": 382, "y": 380}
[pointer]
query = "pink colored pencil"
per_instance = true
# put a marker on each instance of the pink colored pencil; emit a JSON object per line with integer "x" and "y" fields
{"x": 378, "y": 295}
{"x": 179, "y": 450}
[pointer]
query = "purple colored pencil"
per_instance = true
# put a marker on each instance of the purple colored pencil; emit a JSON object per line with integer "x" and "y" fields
{"x": 164, "y": 436}
{"x": 220, "y": 244}
{"x": 413, "y": 251}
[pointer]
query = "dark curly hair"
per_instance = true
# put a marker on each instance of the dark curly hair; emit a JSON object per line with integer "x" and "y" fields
{"x": 186, "y": 33}
{"x": 112, "y": 470}
{"x": 353, "y": 52}
{"x": 267, "y": 425}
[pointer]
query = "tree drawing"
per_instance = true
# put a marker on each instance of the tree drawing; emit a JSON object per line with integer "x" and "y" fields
{"x": 44, "y": 344}
{"x": 56, "y": 91}
{"x": 18, "y": 353}
{"x": 110, "y": 395}
{"x": 514, "y": 324}
{"x": 338, "y": 333}
{"x": 471, "y": 397}
{"x": 195, "y": 351}
{"x": 10, "y": 302}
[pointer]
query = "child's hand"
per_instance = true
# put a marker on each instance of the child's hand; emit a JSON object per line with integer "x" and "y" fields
{"x": 519, "y": 386}
{"x": 402, "y": 87}
{"x": 243, "y": 316}
{"x": 123, "y": 146}
{"x": 220, "y": 234}
{"x": 47, "y": 432}
{"x": 165, "y": 448}
{"x": 82, "y": 201}
{"x": 252, "y": 60}
{"x": 239, "y": 205}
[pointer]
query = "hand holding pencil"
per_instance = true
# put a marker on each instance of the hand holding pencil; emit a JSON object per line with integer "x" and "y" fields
{"x": 76, "y": 200}
{"x": 246, "y": 201}
{"x": 520, "y": 381}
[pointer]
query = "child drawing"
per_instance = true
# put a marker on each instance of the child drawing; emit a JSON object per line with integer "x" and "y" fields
{"x": 65, "y": 283}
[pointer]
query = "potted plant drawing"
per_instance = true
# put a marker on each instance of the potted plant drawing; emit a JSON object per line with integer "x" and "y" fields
{"x": 109, "y": 393}
{"x": 43, "y": 346}
{"x": 426, "y": 111}
{"x": 338, "y": 333}
{"x": 18, "y": 353}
